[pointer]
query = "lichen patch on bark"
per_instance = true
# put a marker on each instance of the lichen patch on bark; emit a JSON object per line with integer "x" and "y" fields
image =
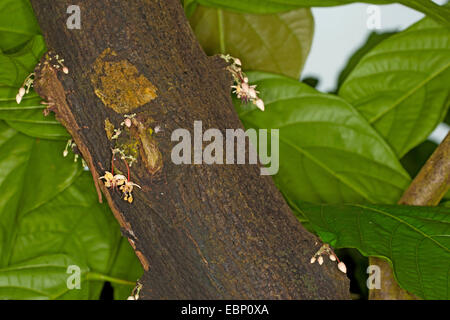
{"x": 118, "y": 83}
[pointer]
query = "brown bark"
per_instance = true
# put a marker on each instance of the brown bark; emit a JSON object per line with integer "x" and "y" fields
{"x": 433, "y": 180}
{"x": 427, "y": 189}
{"x": 200, "y": 231}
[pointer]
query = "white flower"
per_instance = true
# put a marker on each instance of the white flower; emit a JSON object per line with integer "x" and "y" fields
{"x": 245, "y": 87}
{"x": 127, "y": 122}
{"x": 245, "y": 92}
{"x": 127, "y": 189}
{"x": 237, "y": 89}
{"x": 20, "y": 95}
{"x": 241, "y": 87}
{"x": 252, "y": 93}
{"x": 113, "y": 181}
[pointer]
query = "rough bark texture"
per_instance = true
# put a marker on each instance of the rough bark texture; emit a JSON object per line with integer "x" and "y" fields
{"x": 200, "y": 231}
{"x": 427, "y": 189}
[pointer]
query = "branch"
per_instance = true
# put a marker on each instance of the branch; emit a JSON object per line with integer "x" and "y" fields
{"x": 200, "y": 231}
{"x": 427, "y": 189}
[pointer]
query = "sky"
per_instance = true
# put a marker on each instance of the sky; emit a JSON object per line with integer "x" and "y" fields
{"x": 340, "y": 31}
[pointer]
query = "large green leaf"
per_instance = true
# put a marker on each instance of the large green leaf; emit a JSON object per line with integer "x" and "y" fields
{"x": 27, "y": 117}
{"x": 17, "y": 24}
{"x": 402, "y": 85}
{"x": 49, "y": 214}
{"x": 276, "y": 43}
{"x": 328, "y": 151}
{"x": 415, "y": 240}
{"x": 32, "y": 172}
{"x": 41, "y": 278}
{"x": 439, "y": 13}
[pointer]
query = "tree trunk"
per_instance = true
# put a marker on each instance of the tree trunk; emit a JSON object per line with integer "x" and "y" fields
{"x": 200, "y": 231}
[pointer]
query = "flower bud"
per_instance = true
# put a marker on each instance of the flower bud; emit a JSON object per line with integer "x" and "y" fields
{"x": 342, "y": 267}
{"x": 131, "y": 298}
{"x": 332, "y": 257}
{"x": 65, "y": 70}
{"x": 237, "y": 62}
{"x": 22, "y": 91}
{"x": 320, "y": 260}
{"x": 313, "y": 259}
{"x": 260, "y": 104}
{"x": 18, "y": 98}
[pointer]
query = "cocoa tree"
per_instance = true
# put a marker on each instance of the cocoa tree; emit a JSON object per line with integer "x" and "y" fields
{"x": 200, "y": 231}
{"x": 125, "y": 79}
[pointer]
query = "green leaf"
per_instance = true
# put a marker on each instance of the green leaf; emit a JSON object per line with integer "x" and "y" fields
{"x": 47, "y": 210}
{"x": 189, "y": 7}
{"x": 277, "y": 43}
{"x": 125, "y": 266}
{"x": 17, "y": 24}
{"x": 439, "y": 13}
{"x": 15, "y": 67}
{"x": 28, "y": 118}
{"x": 32, "y": 172}
{"x": 415, "y": 240}
{"x": 401, "y": 86}
{"x": 328, "y": 151}
{"x": 373, "y": 40}
{"x": 41, "y": 278}
{"x": 61, "y": 225}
